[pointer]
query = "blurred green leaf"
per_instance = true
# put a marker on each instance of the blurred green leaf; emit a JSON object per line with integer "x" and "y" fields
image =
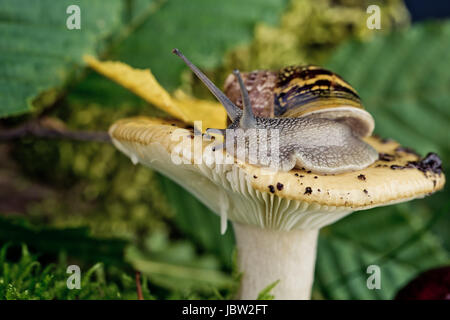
{"x": 397, "y": 239}
{"x": 204, "y": 30}
{"x": 176, "y": 266}
{"x": 38, "y": 51}
{"x": 73, "y": 241}
{"x": 266, "y": 294}
{"x": 198, "y": 222}
{"x": 404, "y": 82}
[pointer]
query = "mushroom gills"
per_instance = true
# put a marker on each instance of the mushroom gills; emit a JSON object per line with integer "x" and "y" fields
{"x": 224, "y": 205}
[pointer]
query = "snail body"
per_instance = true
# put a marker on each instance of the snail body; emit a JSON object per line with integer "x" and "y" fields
{"x": 313, "y": 115}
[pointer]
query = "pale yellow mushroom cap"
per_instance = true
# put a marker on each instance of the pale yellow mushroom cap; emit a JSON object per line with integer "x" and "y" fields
{"x": 283, "y": 200}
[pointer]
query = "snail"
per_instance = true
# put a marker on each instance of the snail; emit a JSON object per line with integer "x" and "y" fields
{"x": 316, "y": 117}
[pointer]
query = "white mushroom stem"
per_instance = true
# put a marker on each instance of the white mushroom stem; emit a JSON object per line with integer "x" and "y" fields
{"x": 265, "y": 256}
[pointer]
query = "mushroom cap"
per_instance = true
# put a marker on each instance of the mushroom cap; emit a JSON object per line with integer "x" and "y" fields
{"x": 296, "y": 199}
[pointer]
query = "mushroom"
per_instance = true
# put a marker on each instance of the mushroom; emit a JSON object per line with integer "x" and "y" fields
{"x": 276, "y": 216}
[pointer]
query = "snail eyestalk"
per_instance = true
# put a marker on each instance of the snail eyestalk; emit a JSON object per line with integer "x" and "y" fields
{"x": 232, "y": 110}
{"x": 248, "y": 118}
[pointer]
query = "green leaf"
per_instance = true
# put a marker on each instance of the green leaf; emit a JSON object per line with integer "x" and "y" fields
{"x": 198, "y": 222}
{"x": 404, "y": 83}
{"x": 394, "y": 238}
{"x": 37, "y": 50}
{"x": 178, "y": 267}
{"x": 74, "y": 241}
{"x": 403, "y": 80}
{"x": 265, "y": 293}
{"x": 204, "y": 30}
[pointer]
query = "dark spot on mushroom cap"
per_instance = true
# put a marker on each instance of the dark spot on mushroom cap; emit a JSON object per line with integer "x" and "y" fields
{"x": 296, "y": 174}
{"x": 315, "y": 177}
{"x": 382, "y": 140}
{"x": 406, "y": 150}
{"x": 365, "y": 191}
{"x": 397, "y": 167}
{"x": 272, "y": 189}
{"x": 362, "y": 177}
{"x": 255, "y": 177}
{"x": 318, "y": 190}
{"x": 279, "y": 186}
{"x": 386, "y": 157}
{"x": 173, "y": 124}
{"x": 431, "y": 162}
{"x": 308, "y": 190}
{"x": 309, "y": 171}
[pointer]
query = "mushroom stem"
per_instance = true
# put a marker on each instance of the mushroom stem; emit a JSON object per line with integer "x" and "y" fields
{"x": 265, "y": 256}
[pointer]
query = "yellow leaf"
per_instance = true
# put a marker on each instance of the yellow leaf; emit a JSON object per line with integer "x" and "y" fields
{"x": 144, "y": 84}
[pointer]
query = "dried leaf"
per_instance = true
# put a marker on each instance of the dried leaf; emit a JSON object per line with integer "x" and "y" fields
{"x": 144, "y": 84}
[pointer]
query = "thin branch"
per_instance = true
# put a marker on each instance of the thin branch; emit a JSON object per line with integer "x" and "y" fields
{"x": 138, "y": 286}
{"x": 48, "y": 129}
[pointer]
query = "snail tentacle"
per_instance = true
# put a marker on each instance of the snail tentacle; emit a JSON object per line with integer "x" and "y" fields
{"x": 232, "y": 110}
{"x": 248, "y": 118}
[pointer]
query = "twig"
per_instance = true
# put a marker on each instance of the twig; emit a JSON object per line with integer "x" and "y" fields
{"x": 138, "y": 286}
{"x": 48, "y": 129}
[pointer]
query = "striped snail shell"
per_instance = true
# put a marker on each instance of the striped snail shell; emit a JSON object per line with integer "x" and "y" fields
{"x": 299, "y": 91}
{"x": 313, "y": 117}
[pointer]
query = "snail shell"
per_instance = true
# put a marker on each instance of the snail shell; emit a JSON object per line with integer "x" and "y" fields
{"x": 299, "y": 91}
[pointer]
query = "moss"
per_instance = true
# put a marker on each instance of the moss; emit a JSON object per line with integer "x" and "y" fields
{"x": 93, "y": 184}
{"x": 309, "y": 30}
{"x": 27, "y": 278}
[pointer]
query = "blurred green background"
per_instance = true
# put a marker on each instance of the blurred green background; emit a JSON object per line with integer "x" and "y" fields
{"x": 69, "y": 202}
